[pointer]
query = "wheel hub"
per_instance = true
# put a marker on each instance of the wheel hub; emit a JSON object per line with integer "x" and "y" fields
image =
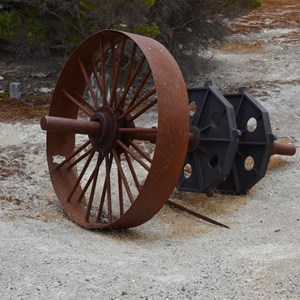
{"x": 105, "y": 140}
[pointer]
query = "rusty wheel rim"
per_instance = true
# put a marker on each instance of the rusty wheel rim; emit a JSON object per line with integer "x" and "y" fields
{"x": 133, "y": 86}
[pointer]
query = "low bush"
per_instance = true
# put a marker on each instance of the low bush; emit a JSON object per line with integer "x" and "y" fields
{"x": 10, "y": 24}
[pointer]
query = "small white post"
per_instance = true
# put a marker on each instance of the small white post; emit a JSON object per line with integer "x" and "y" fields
{"x": 15, "y": 90}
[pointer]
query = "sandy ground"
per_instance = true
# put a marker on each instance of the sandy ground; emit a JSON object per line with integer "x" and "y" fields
{"x": 174, "y": 256}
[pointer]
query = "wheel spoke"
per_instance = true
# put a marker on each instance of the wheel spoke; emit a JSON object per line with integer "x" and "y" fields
{"x": 105, "y": 189}
{"x": 73, "y": 154}
{"x": 70, "y": 97}
{"x": 141, "y": 151}
{"x": 123, "y": 177}
{"x": 108, "y": 163}
{"x": 133, "y": 173}
{"x": 126, "y": 149}
{"x": 87, "y": 81}
{"x": 81, "y": 175}
{"x": 95, "y": 177}
{"x": 117, "y": 72}
{"x": 102, "y": 199}
{"x": 132, "y": 59}
{"x": 112, "y": 50}
{"x": 130, "y": 82}
{"x": 143, "y": 110}
{"x": 102, "y": 66}
{"x": 120, "y": 188}
{"x": 138, "y": 91}
{"x": 80, "y": 158}
{"x": 136, "y": 104}
{"x": 86, "y": 185}
{"x": 86, "y": 102}
{"x": 99, "y": 84}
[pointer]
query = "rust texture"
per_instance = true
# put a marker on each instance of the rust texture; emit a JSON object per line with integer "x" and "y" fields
{"x": 62, "y": 125}
{"x": 283, "y": 149}
{"x": 115, "y": 178}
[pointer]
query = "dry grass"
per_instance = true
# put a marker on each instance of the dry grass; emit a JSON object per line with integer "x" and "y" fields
{"x": 15, "y": 207}
{"x": 175, "y": 224}
{"x": 272, "y": 15}
{"x": 243, "y": 48}
{"x": 9, "y": 165}
{"x": 25, "y": 110}
{"x": 186, "y": 225}
{"x": 276, "y": 162}
{"x": 168, "y": 224}
{"x": 281, "y": 1}
{"x": 217, "y": 205}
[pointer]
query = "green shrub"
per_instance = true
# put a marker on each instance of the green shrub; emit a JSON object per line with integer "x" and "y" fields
{"x": 10, "y": 24}
{"x": 254, "y": 3}
{"x": 148, "y": 3}
{"x": 86, "y": 7}
{"x": 247, "y": 3}
{"x": 36, "y": 32}
{"x": 151, "y": 30}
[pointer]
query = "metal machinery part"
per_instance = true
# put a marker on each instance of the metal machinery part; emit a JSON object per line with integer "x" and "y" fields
{"x": 118, "y": 134}
{"x": 209, "y": 160}
{"x": 115, "y": 118}
{"x": 234, "y": 142}
{"x": 255, "y": 144}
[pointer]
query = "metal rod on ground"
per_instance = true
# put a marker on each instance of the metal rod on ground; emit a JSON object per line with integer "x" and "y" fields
{"x": 197, "y": 215}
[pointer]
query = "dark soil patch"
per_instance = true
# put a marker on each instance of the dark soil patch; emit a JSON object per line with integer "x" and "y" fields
{"x": 27, "y": 110}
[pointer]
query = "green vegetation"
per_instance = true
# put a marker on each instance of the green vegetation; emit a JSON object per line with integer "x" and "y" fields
{"x": 183, "y": 26}
{"x": 148, "y": 3}
{"x": 247, "y": 3}
{"x": 36, "y": 32}
{"x": 254, "y": 3}
{"x": 151, "y": 30}
{"x": 86, "y": 7}
{"x": 10, "y": 24}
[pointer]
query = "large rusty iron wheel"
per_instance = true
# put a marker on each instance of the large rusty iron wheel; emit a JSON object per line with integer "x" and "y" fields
{"x": 121, "y": 173}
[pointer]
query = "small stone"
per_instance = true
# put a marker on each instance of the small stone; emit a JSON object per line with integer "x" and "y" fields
{"x": 39, "y": 75}
{"x": 45, "y": 90}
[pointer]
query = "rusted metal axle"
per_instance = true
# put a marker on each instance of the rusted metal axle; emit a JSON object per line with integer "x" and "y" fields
{"x": 283, "y": 149}
{"x": 93, "y": 128}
